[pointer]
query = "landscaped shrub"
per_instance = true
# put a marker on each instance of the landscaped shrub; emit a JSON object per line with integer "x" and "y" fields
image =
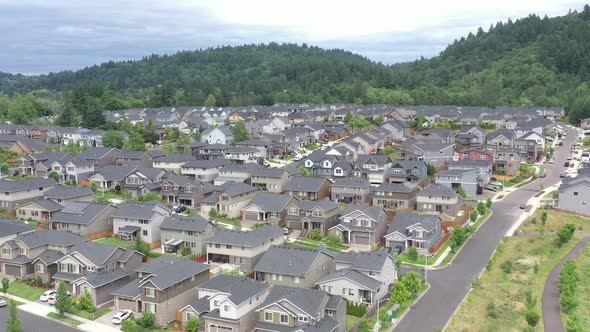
{"x": 491, "y": 310}
{"x": 413, "y": 254}
{"x": 185, "y": 251}
{"x": 564, "y": 234}
{"x": 314, "y": 235}
{"x": 506, "y": 266}
{"x": 355, "y": 309}
{"x": 333, "y": 240}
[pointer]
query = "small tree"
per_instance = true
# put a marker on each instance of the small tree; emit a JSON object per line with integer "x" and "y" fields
{"x": 413, "y": 254}
{"x": 543, "y": 217}
{"x": 62, "y": 301}
{"x": 212, "y": 213}
{"x": 5, "y": 285}
{"x": 185, "y": 251}
{"x": 430, "y": 169}
{"x": 488, "y": 202}
{"x": 473, "y": 216}
{"x": 458, "y": 237}
{"x": 141, "y": 246}
{"x": 575, "y": 323}
{"x": 13, "y": 324}
{"x": 85, "y": 300}
{"x": 333, "y": 240}
{"x": 462, "y": 192}
{"x": 481, "y": 208}
{"x": 236, "y": 225}
{"x": 532, "y": 318}
{"x": 147, "y": 320}
{"x": 192, "y": 325}
{"x": 564, "y": 234}
{"x": 54, "y": 175}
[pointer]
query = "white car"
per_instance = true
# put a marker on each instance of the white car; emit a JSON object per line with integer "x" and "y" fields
{"x": 52, "y": 298}
{"x": 297, "y": 157}
{"x": 45, "y": 296}
{"x": 122, "y": 315}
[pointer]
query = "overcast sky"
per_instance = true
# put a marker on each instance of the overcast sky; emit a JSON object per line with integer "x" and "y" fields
{"x": 41, "y": 36}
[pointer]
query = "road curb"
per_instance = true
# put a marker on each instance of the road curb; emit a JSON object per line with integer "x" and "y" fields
{"x": 408, "y": 309}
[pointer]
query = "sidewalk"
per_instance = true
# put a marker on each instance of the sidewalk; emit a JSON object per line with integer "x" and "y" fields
{"x": 42, "y": 310}
{"x": 534, "y": 202}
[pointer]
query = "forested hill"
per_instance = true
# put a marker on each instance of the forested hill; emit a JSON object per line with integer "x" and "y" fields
{"x": 530, "y": 61}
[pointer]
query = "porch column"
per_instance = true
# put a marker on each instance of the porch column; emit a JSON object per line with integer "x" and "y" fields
{"x": 348, "y": 232}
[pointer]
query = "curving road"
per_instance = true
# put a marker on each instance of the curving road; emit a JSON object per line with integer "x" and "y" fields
{"x": 34, "y": 323}
{"x": 450, "y": 285}
{"x": 550, "y": 305}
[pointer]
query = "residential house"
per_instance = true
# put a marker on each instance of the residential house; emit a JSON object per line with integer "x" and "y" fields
{"x": 373, "y": 168}
{"x": 163, "y": 286}
{"x": 64, "y": 195}
{"x": 361, "y": 226}
{"x": 421, "y": 231}
{"x": 236, "y": 173}
{"x": 439, "y": 198}
{"x": 143, "y": 180}
{"x": 111, "y": 177}
{"x": 244, "y": 154}
{"x": 266, "y": 208}
{"x": 228, "y": 199}
{"x": 143, "y": 218}
{"x": 273, "y": 180}
{"x": 39, "y": 210}
{"x": 242, "y": 249}
{"x": 17, "y": 255}
{"x": 508, "y": 161}
{"x": 92, "y": 220}
{"x": 395, "y": 196}
{"x": 574, "y": 192}
{"x": 442, "y": 135}
{"x": 313, "y": 215}
{"x": 294, "y": 266}
{"x": 227, "y": 303}
{"x": 28, "y": 163}
{"x": 501, "y": 138}
{"x": 17, "y": 193}
{"x": 484, "y": 168}
{"x": 430, "y": 151}
{"x": 177, "y": 231}
{"x": 477, "y": 154}
{"x": 180, "y": 189}
{"x": 414, "y": 171}
{"x": 100, "y": 156}
{"x": 308, "y": 188}
{"x": 301, "y": 309}
{"x": 203, "y": 170}
{"x": 460, "y": 178}
{"x": 475, "y": 131}
{"x": 397, "y": 129}
{"x": 98, "y": 269}
{"x": 361, "y": 277}
{"x": 529, "y": 149}
{"x": 136, "y": 158}
{"x": 172, "y": 162}
{"x": 351, "y": 190}
{"x": 9, "y": 229}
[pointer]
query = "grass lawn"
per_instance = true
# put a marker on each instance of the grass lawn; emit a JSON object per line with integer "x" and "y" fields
{"x": 556, "y": 220}
{"x": 497, "y": 301}
{"x": 350, "y": 321}
{"x": 17, "y": 288}
{"x": 87, "y": 315}
{"x": 8, "y": 300}
{"x": 116, "y": 242}
{"x": 314, "y": 244}
{"x": 68, "y": 320}
{"x": 583, "y": 288}
{"x": 507, "y": 184}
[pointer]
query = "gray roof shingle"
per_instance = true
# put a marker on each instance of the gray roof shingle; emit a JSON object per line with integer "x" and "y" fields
{"x": 143, "y": 210}
{"x": 11, "y": 227}
{"x": 240, "y": 288}
{"x": 246, "y": 238}
{"x": 49, "y": 236}
{"x": 194, "y": 223}
{"x": 81, "y": 213}
{"x": 289, "y": 260}
{"x": 169, "y": 270}
{"x": 68, "y": 192}
{"x": 305, "y": 184}
{"x": 269, "y": 202}
{"x": 353, "y": 275}
{"x": 25, "y": 184}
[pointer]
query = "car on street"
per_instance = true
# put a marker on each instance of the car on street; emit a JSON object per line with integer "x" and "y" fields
{"x": 543, "y": 175}
{"x": 297, "y": 157}
{"x": 122, "y": 315}
{"x": 522, "y": 206}
{"x": 552, "y": 160}
{"x": 45, "y": 296}
{"x": 562, "y": 175}
{"x": 3, "y": 302}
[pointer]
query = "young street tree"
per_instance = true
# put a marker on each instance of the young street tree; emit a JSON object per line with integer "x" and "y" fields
{"x": 62, "y": 301}
{"x": 13, "y": 324}
{"x": 5, "y": 285}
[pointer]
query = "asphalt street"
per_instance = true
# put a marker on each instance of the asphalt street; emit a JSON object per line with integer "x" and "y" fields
{"x": 451, "y": 284}
{"x": 33, "y": 323}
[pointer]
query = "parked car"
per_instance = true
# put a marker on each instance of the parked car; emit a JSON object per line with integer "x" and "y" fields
{"x": 52, "y": 299}
{"x": 287, "y": 230}
{"x": 297, "y": 157}
{"x": 543, "y": 175}
{"x": 562, "y": 175}
{"x": 122, "y": 315}
{"x": 522, "y": 206}
{"x": 552, "y": 160}
{"x": 3, "y": 302}
{"x": 45, "y": 296}
{"x": 566, "y": 164}
{"x": 179, "y": 208}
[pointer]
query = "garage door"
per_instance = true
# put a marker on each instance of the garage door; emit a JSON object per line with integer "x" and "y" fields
{"x": 219, "y": 328}
{"x": 362, "y": 240}
{"x": 12, "y": 270}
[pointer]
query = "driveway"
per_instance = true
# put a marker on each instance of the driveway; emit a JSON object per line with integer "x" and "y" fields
{"x": 107, "y": 320}
{"x": 450, "y": 285}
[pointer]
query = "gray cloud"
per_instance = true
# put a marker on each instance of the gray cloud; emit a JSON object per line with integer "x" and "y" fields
{"x": 42, "y": 37}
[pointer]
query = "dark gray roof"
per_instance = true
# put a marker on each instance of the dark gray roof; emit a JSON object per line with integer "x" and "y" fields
{"x": 240, "y": 288}
{"x": 324, "y": 204}
{"x": 289, "y": 260}
{"x": 378, "y": 159}
{"x": 471, "y": 162}
{"x": 11, "y": 227}
{"x": 246, "y": 238}
{"x": 143, "y": 210}
{"x": 194, "y": 223}
{"x": 305, "y": 184}
{"x": 50, "y": 256}
{"x": 371, "y": 211}
{"x": 130, "y": 290}
{"x": 65, "y": 276}
{"x": 98, "y": 279}
{"x": 200, "y": 306}
{"x": 353, "y": 275}
{"x": 49, "y": 236}
{"x": 365, "y": 261}
{"x": 81, "y": 213}
{"x": 175, "y": 158}
{"x": 68, "y": 192}
{"x": 403, "y": 220}
{"x": 435, "y": 189}
{"x": 169, "y": 270}
{"x": 46, "y": 204}
{"x": 25, "y": 184}
{"x": 269, "y": 172}
{"x": 115, "y": 173}
{"x": 351, "y": 181}
{"x": 95, "y": 153}
{"x": 96, "y": 253}
{"x": 311, "y": 301}
{"x": 206, "y": 163}
{"x": 269, "y": 202}
{"x": 404, "y": 187}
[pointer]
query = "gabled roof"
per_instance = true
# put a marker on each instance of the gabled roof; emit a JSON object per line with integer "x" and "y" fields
{"x": 246, "y": 238}
{"x": 206, "y": 163}
{"x": 305, "y": 184}
{"x": 404, "y": 187}
{"x": 68, "y": 192}
{"x": 310, "y": 301}
{"x": 115, "y": 173}
{"x": 403, "y": 220}
{"x": 166, "y": 271}
{"x": 11, "y": 227}
{"x": 351, "y": 182}
{"x": 96, "y": 153}
{"x": 143, "y": 210}
{"x": 269, "y": 202}
{"x": 324, "y": 204}
{"x": 289, "y": 260}
{"x": 45, "y": 204}
{"x": 240, "y": 289}
{"x": 50, "y": 256}
{"x": 380, "y": 160}
{"x": 194, "y": 223}
{"x": 96, "y": 253}
{"x": 365, "y": 261}
{"x": 435, "y": 189}
{"x": 175, "y": 158}
{"x": 25, "y": 184}
{"x": 49, "y": 236}
{"x": 81, "y": 213}
{"x": 99, "y": 279}
{"x": 372, "y": 212}
{"x": 354, "y": 276}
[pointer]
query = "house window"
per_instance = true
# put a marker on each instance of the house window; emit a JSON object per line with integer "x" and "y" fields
{"x": 151, "y": 307}
{"x": 296, "y": 280}
{"x": 40, "y": 268}
{"x": 5, "y": 251}
{"x": 284, "y": 319}
{"x": 575, "y": 193}
{"x": 226, "y": 308}
{"x": 268, "y": 316}
{"x": 216, "y": 304}
{"x": 302, "y": 318}
{"x": 188, "y": 315}
{"x": 293, "y": 210}
{"x": 150, "y": 292}
{"x": 145, "y": 232}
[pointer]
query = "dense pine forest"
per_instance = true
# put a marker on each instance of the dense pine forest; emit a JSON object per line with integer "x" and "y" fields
{"x": 530, "y": 61}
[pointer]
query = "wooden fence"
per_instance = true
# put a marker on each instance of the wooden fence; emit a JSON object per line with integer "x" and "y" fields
{"x": 98, "y": 235}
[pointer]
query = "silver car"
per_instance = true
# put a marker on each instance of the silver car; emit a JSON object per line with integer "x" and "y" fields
{"x": 3, "y": 302}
